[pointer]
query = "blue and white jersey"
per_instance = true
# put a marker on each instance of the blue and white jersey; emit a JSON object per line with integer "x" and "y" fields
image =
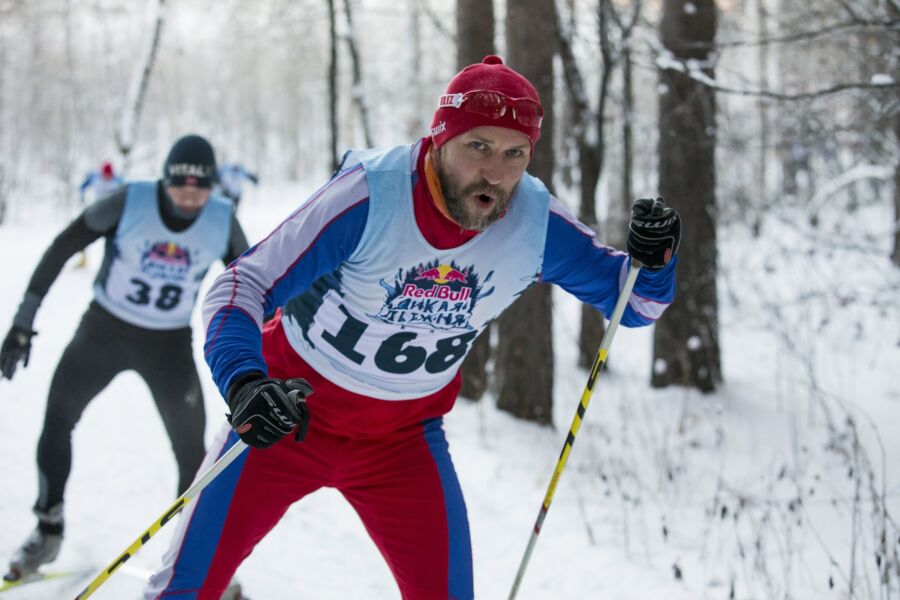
{"x": 99, "y": 185}
{"x": 398, "y": 314}
{"x": 373, "y": 307}
{"x": 231, "y": 179}
{"x": 151, "y": 275}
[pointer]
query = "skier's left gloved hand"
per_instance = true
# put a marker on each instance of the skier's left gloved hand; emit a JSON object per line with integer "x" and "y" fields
{"x": 264, "y": 410}
{"x": 654, "y": 233}
{"x": 16, "y": 348}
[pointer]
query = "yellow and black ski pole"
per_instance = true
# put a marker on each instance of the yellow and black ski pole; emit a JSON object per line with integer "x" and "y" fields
{"x": 599, "y": 361}
{"x": 192, "y": 492}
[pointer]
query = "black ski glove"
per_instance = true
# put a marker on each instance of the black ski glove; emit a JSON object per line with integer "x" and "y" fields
{"x": 16, "y": 347}
{"x": 264, "y": 410}
{"x": 654, "y": 233}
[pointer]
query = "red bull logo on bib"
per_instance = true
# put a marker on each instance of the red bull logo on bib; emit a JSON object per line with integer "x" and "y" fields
{"x": 166, "y": 260}
{"x": 440, "y": 276}
{"x": 434, "y": 294}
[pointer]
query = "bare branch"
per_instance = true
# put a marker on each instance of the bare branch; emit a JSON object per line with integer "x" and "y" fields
{"x": 572, "y": 76}
{"x": 437, "y": 21}
{"x": 810, "y": 35}
{"x": 633, "y": 19}
{"x": 359, "y": 96}
{"x": 829, "y": 91}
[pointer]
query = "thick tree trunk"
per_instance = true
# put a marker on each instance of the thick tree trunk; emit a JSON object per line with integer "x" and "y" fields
{"x": 474, "y": 31}
{"x": 474, "y": 41}
{"x": 686, "y": 339}
{"x": 525, "y": 350}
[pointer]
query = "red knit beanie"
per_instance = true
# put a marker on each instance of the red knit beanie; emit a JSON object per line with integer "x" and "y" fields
{"x": 490, "y": 74}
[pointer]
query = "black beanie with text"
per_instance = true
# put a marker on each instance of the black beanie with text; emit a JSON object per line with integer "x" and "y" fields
{"x": 191, "y": 161}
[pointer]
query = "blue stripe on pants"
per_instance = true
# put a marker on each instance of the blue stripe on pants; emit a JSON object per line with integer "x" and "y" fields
{"x": 207, "y": 520}
{"x": 459, "y": 584}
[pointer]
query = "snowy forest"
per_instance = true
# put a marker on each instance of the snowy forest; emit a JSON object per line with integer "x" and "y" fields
{"x": 744, "y": 447}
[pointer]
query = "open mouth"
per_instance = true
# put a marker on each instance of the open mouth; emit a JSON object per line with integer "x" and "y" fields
{"x": 484, "y": 200}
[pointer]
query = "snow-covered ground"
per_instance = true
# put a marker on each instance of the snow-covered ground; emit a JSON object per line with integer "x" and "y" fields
{"x": 746, "y": 493}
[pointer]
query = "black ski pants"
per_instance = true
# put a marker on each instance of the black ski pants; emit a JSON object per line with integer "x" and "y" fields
{"x": 103, "y": 347}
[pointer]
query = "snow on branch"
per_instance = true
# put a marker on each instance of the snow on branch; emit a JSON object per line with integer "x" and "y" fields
{"x": 857, "y": 173}
{"x": 693, "y": 68}
{"x": 127, "y": 132}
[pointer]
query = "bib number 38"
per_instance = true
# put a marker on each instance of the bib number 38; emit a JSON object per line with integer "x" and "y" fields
{"x": 166, "y": 298}
{"x": 397, "y": 354}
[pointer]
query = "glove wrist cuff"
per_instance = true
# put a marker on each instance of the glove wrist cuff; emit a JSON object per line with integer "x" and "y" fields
{"x": 27, "y": 311}
{"x": 238, "y": 382}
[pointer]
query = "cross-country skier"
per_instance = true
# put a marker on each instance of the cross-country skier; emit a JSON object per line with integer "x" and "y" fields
{"x": 231, "y": 181}
{"x": 382, "y": 281}
{"x": 161, "y": 237}
{"x": 99, "y": 183}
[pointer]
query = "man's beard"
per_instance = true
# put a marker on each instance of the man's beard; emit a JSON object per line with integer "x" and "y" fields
{"x": 455, "y": 195}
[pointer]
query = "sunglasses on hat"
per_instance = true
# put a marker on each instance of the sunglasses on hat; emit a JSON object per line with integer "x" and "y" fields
{"x": 494, "y": 105}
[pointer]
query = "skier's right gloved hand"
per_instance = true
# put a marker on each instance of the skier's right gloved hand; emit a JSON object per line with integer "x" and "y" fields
{"x": 16, "y": 347}
{"x": 654, "y": 233}
{"x": 264, "y": 410}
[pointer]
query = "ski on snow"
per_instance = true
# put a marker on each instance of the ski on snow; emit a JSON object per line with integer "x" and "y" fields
{"x": 39, "y": 576}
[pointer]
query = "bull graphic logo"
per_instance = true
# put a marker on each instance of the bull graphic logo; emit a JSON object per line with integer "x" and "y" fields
{"x": 166, "y": 260}
{"x": 434, "y": 295}
{"x": 441, "y": 274}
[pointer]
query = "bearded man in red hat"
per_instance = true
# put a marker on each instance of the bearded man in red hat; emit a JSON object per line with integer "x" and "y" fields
{"x": 379, "y": 284}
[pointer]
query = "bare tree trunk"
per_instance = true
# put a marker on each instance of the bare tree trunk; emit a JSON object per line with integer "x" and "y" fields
{"x": 4, "y": 57}
{"x": 590, "y": 136}
{"x": 627, "y": 131}
{"x": 895, "y": 255}
{"x": 590, "y": 166}
{"x": 474, "y": 41}
{"x": 67, "y": 130}
{"x": 619, "y": 212}
{"x": 416, "y": 126}
{"x": 332, "y": 87}
{"x": 686, "y": 339}
{"x": 126, "y": 134}
{"x": 592, "y": 158}
{"x": 762, "y": 57}
{"x": 359, "y": 95}
{"x": 893, "y": 10}
{"x": 525, "y": 351}
{"x": 474, "y": 31}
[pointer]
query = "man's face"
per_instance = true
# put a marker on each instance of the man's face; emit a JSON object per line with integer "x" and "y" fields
{"x": 189, "y": 199}
{"x": 479, "y": 171}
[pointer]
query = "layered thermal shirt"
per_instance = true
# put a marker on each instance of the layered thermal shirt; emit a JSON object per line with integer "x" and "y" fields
{"x": 383, "y": 295}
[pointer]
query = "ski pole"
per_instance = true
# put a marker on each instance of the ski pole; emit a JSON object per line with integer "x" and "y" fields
{"x": 599, "y": 361}
{"x": 193, "y": 491}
